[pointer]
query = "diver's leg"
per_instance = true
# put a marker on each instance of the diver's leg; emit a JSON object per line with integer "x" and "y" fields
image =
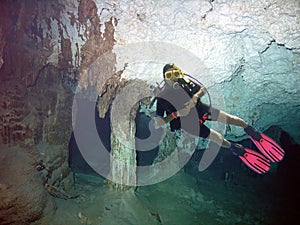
{"x": 213, "y": 136}
{"x": 224, "y": 117}
{"x": 218, "y": 139}
{"x": 221, "y": 116}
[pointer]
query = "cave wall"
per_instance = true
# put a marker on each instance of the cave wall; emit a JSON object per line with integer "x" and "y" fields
{"x": 241, "y": 43}
{"x": 46, "y": 47}
{"x": 245, "y": 52}
{"x": 249, "y": 51}
{"x": 255, "y": 45}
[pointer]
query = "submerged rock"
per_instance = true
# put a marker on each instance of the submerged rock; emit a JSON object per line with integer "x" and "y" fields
{"x": 23, "y": 197}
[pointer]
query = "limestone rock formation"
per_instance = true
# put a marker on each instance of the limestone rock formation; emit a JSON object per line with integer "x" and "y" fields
{"x": 123, "y": 112}
{"x": 245, "y": 52}
{"x": 23, "y": 199}
{"x": 45, "y": 48}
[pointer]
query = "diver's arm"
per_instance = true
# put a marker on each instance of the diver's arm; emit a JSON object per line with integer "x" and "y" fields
{"x": 199, "y": 94}
{"x": 192, "y": 102}
{"x": 161, "y": 121}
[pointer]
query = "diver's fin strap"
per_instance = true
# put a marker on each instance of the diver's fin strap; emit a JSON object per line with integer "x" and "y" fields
{"x": 237, "y": 149}
{"x": 255, "y": 161}
{"x": 252, "y": 133}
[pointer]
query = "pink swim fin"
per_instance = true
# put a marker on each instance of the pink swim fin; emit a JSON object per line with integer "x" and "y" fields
{"x": 254, "y": 160}
{"x": 266, "y": 145}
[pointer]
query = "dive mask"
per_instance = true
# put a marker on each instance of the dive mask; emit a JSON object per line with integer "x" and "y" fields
{"x": 173, "y": 74}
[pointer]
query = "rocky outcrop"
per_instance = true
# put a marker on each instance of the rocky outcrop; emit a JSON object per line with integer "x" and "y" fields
{"x": 42, "y": 61}
{"x": 23, "y": 199}
{"x": 124, "y": 108}
{"x": 45, "y": 48}
{"x": 109, "y": 91}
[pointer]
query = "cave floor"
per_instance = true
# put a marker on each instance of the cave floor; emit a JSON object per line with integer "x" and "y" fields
{"x": 180, "y": 200}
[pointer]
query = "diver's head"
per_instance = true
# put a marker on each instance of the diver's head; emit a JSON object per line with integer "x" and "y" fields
{"x": 171, "y": 74}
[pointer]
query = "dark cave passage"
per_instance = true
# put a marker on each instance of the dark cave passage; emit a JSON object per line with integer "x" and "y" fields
{"x": 78, "y": 164}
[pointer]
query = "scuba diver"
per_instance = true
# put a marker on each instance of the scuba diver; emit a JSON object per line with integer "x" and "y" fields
{"x": 180, "y": 99}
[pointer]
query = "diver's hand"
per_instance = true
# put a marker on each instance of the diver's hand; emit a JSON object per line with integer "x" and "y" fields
{"x": 194, "y": 99}
{"x": 192, "y": 102}
{"x": 183, "y": 112}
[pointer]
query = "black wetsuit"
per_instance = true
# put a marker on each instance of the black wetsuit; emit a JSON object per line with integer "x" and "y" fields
{"x": 172, "y": 99}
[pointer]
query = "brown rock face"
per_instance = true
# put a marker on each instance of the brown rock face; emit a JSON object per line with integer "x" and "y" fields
{"x": 38, "y": 72}
{"x": 24, "y": 54}
{"x": 36, "y": 105}
{"x": 23, "y": 199}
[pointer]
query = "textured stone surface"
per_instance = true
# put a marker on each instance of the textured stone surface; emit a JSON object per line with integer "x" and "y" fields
{"x": 23, "y": 199}
{"x": 69, "y": 39}
{"x": 249, "y": 49}
{"x": 108, "y": 92}
{"x": 50, "y": 101}
{"x": 45, "y": 47}
{"x": 123, "y": 129}
{"x": 24, "y": 60}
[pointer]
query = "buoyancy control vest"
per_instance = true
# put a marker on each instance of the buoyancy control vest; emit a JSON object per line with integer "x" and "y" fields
{"x": 189, "y": 84}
